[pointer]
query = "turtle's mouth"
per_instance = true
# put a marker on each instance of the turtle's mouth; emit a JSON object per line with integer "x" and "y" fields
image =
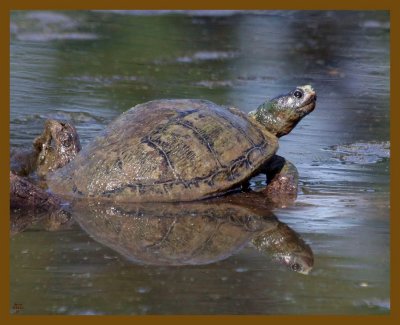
{"x": 309, "y": 105}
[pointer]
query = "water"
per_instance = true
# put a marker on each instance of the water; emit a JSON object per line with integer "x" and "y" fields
{"x": 88, "y": 67}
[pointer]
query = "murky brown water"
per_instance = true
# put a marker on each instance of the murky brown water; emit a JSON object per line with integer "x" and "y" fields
{"x": 88, "y": 67}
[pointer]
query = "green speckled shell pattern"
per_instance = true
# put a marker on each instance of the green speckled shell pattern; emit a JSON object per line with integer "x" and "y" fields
{"x": 168, "y": 150}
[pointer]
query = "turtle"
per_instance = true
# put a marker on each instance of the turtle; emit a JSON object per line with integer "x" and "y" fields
{"x": 57, "y": 145}
{"x": 174, "y": 150}
{"x": 193, "y": 233}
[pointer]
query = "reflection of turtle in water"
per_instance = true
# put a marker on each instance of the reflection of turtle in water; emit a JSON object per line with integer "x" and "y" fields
{"x": 198, "y": 232}
{"x": 180, "y": 150}
{"x": 186, "y": 233}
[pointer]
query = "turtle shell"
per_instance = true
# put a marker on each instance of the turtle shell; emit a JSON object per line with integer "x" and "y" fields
{"x": 168, "y": 150}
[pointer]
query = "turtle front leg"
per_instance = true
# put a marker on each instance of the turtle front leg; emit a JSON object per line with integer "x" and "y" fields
{"x": 282, "y": 180}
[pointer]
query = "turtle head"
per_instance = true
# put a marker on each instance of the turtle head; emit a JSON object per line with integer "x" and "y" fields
{"x": 300, "y": 263}
{"x": 281, "y": 114}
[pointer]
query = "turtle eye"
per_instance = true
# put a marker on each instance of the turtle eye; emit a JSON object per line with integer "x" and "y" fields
{"x": 296, "y": 267}
{"x": 298, "y": 94}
